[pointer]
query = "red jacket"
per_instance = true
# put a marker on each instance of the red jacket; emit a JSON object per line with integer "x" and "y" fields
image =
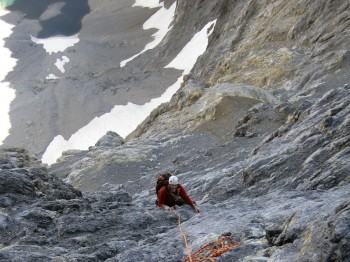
{"x": 164, "y": 197}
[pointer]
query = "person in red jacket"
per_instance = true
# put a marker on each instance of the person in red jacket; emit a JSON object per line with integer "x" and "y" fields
{"x": 174, "y": 194}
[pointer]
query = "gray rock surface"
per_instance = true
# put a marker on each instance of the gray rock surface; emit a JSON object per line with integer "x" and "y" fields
{"x": 93, "y": 82}
{"x": 111, "y": 139}
{"x": 267, "y": 160}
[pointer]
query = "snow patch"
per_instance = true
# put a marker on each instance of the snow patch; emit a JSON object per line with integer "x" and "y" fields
{"x": 148, "y": 3}
{"x": 56, "y": 44}
{"x": 52, "y": 77}
{"x": 188, "y": 56}
{"x": 61, "y": 62}
{"x": 124, "y": 119}
{"x": 161, "y": 20}
{"x": 7, "y": 64}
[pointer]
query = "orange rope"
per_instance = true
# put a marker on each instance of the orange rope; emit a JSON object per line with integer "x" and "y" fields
{"x": 213, "y": 249}
{"x": 209, "y": 251}
{"x": 184, "y": 237}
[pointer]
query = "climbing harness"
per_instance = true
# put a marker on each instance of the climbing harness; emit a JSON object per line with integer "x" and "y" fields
{"x": 209, "y": 251}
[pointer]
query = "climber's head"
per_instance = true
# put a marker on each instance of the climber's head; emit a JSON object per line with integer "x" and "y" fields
{"x": 173, "y": 180}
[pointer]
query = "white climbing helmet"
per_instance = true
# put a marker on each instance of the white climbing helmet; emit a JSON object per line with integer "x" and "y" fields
{"x": 173, "y": 180}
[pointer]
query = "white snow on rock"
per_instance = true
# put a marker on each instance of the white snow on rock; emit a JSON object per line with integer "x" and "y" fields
{"x": 7, "y": 63}
{"x": 187, "y": 57}
{"x": 57, "y": 43}
{"x": 52, "y": 77}
{"x": 148, "y": 3}
{"x": 161, "y": 20}
{"x": 61, "y": 62}
{"x": 124, "y": 119}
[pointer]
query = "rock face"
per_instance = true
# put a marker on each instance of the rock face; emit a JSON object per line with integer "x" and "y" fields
{"x": 258, "y": 134}
{"x": 277, "y": 44}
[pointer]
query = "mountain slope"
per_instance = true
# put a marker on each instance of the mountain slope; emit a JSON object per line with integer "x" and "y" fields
{"x": 258, "y": 134}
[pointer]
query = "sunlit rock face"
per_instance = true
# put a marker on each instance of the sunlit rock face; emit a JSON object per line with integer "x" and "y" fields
{"x": 277, "y": 45}
{"x": 258, "y": 134}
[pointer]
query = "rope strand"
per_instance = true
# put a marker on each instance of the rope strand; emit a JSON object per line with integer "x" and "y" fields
{"x": 209, "y": 251}
{"x": 184, "y": 237}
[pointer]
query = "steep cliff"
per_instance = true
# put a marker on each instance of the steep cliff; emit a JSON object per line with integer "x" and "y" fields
{"x": 258, "y": 134}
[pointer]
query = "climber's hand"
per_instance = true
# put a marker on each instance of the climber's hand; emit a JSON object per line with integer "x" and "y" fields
{"x": 166, "y": 208}
{"x": 196, "y": 208}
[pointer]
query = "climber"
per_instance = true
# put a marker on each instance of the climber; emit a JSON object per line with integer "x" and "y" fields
{"x": 174, "y": 194}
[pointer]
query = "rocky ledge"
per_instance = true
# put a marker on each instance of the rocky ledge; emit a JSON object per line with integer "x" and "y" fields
{"x": 284, "y": 196}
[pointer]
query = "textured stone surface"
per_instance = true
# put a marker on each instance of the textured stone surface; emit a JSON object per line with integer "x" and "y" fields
{"x": 283, "y": 192}
{"x": 269, "y": 165}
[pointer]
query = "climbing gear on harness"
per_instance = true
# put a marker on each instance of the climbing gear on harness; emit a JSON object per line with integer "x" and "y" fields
{"x": 175, "y": 195}
{"x": 166, "y": 208}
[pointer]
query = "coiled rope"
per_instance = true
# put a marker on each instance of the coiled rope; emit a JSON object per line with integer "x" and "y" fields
{"x": 213, "y": 249}
{"x": 209, "y": 251}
